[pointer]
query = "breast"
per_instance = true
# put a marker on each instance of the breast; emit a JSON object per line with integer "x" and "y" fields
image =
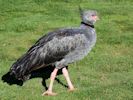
{"x": 87, "y": 42}
{"x": 83, "y": 46}
{"x": 91, "y": 36}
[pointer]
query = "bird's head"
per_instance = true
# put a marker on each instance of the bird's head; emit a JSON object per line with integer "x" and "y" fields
{"x": 89, "y": 16}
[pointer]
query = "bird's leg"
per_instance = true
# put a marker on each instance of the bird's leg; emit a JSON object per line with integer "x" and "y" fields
{"x": 52, "y": 78}
{"x": 66, "y": 75}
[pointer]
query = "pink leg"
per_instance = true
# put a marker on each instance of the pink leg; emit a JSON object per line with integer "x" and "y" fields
{"x": 66, "y": 75}
{"x": 52, "y": 78}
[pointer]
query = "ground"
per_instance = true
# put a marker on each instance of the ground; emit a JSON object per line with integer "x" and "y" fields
{"x": 105, "y": 74}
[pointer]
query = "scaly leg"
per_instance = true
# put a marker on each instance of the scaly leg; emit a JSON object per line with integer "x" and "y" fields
{"x": 52, "y": 78}
{"x": 66, "y": 75}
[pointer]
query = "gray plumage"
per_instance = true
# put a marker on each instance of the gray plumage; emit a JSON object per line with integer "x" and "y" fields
{"x": 58, "y": 48}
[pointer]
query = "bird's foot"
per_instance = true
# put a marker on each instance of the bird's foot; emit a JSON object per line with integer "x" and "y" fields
{"x": 72, "y": 89}
{"x": 49, "y": 93}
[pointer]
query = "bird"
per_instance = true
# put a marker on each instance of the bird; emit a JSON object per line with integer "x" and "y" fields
{"x": 58, "y": 49}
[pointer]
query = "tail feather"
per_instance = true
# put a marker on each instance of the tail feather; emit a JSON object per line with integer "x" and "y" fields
{"x": 22, "y": 67}
{"x": 10, "y": 79}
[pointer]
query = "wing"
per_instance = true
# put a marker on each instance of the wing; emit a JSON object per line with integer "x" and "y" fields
{"x": 54, "y": 46}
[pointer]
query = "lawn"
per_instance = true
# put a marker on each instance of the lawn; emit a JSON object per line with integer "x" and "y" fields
{"x": 105, "y": 74}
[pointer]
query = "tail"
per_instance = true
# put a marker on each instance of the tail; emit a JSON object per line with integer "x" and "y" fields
{"x": 10, "y": 79}
{"x": 23, "y": 67}
{"x": 20, "y": 70}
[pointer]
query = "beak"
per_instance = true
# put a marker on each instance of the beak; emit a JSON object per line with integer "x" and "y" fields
{"x": 97, "y": 18}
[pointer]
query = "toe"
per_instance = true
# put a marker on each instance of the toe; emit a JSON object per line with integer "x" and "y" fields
{"x": 71, "y": 90}
{"x": 47, "y": 93}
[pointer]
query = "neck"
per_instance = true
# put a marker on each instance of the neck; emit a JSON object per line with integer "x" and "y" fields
{"x": 92, "y": 26}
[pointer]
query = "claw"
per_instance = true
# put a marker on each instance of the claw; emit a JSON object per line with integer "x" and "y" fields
{"x": 49, "y": 93}
{"x": 72, "y": 90}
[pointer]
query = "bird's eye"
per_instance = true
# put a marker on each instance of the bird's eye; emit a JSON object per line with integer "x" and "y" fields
{"x": 93, "y": 15}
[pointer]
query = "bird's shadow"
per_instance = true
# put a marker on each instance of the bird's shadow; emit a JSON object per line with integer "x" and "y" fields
{"x": 43, "y": 73}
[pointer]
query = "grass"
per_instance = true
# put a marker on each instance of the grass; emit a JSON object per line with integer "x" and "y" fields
{"x": 105, "y": 74}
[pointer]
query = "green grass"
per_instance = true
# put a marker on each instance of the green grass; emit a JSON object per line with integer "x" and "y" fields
{"x": 105, "y": 74}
